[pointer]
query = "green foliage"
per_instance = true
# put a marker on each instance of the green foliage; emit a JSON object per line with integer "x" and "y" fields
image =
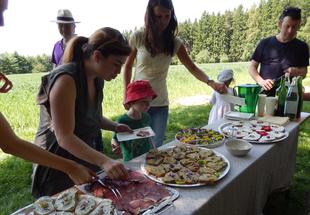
{"x": 304, "y": 33}
{"x": 233, "y": 35}
{"x": 18, "y": 64}
{"x": 203, "y": 56}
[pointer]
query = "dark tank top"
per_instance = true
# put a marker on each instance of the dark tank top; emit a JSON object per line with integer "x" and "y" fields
{"x": 47, "y": 181}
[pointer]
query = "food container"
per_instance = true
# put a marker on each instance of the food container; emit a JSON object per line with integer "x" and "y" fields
{"x": 238, "y": 147}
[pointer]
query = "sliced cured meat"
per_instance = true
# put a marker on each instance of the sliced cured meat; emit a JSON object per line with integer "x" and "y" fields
{"x": 143, "y": 133}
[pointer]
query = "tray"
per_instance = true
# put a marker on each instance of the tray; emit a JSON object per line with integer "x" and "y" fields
{"x": 152, "y": 210}
{"x": 222, "y": 175}
{"x": 222, "y": 126}
{"x": 209, "y": 146}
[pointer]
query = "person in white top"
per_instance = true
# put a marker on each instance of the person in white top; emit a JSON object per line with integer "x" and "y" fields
{"x": 153, "y": 49}
{"x": 219, "y": 106}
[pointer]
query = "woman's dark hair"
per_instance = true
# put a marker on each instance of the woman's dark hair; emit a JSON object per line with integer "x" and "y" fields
{"x": 107, "y": 40}
{"x": 293, "y": 12}
{"x": 151, "y": 36}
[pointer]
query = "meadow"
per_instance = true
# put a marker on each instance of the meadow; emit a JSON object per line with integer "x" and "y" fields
{"x": 20, "y": 108}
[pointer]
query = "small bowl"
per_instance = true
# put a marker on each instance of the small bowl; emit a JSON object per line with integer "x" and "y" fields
{"x": 238, "y": 147}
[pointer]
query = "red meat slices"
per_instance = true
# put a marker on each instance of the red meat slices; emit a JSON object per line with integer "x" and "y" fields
{"x": 138, "y": 193}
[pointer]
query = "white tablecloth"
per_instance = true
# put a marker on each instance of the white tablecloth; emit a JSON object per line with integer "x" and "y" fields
{"x": 244, "y": 190}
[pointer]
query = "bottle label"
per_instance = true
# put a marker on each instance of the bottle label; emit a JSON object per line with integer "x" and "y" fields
{"x": 290, "y": 107}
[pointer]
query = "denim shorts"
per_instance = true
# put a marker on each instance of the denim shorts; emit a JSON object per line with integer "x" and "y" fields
{"x": 159, "y": 117}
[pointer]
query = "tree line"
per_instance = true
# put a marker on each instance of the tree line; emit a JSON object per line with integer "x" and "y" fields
{"x": 228, "y": 37}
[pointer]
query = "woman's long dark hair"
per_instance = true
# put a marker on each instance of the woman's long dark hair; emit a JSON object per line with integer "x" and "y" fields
{"x": 151, "y": 36}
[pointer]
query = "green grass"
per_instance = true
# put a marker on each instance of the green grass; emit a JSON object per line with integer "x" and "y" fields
{"x": 20, "y": 109}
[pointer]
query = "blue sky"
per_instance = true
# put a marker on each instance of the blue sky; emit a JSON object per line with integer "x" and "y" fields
{"x": 28, "y": 29}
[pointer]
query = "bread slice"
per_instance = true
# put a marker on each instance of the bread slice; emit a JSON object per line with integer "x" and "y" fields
{"x": 66, "y": 201}
{"x": 85, "y": 206}
{"x": 43, "y": 205}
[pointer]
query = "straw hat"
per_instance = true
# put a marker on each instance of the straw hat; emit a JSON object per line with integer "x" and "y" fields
{"x": 139, "y": 90}
{"x": 65, "y": 16}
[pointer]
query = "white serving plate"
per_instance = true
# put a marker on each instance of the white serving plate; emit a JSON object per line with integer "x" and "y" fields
{"x": 224, "y": 125}
{"x": 222, "y": 175}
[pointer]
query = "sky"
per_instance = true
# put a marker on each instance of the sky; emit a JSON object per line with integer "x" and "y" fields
{"x": 29, "y": 31}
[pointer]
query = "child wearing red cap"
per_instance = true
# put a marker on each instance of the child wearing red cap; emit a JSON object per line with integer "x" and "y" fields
{"x": 139, "y": 94}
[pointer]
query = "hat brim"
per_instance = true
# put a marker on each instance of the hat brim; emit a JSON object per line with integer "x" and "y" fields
{"x": 65, "y": 22}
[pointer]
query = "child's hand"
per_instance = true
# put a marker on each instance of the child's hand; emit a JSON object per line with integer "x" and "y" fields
{"x": 116, "y": 148}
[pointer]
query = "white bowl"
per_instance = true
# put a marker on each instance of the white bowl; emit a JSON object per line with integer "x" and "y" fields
{"x": 238, "y": 147}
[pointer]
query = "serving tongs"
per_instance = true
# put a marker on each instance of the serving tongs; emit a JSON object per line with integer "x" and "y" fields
{"x": 114, "y": 190}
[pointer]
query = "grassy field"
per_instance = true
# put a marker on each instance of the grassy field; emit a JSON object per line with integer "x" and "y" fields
{"x": 20, "y": 108}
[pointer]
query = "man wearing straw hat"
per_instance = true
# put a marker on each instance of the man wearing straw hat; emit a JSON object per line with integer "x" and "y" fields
{"x": 66, "y": 27}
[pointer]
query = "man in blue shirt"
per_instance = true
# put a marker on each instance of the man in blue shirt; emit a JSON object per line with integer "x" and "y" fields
{"x": 280, "y": 54}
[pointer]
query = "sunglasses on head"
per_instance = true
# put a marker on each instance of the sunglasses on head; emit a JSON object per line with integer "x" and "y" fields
{"x": 5, "y": 84}
{"x": 291, "y": 11}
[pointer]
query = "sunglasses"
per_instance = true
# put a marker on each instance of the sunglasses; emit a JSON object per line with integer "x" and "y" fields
{"x": 291, "y": 11}
{"x": 5, "y": 84}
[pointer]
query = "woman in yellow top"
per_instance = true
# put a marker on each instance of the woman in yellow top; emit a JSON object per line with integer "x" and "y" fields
{"x": 153, "y": 48}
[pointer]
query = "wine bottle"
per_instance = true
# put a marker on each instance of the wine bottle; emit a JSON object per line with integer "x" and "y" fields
{"x": 301, "y": 90}
{"x": 281, "y": 93}
{"x": 291, "y": 101}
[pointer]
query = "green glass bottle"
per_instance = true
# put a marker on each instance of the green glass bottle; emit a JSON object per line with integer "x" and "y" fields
{"x": 281, "y": 93}
{"x": 301, "y": 90}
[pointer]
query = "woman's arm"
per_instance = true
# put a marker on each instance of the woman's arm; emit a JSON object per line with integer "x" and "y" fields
{"x": 128, "y": 70}
{"x": 63, "y": 112}
{"x": 110, "y": 125}
{"x": 198, "y": 73}
{"x": 11, "y": 144}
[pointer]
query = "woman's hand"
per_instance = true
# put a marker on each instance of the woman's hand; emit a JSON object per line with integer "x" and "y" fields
{"x": 218, "y": 87}
{"x": 122, "y": 128}
{"x": 115, "y": 169}
{"x": 266, "y": 84}
{"x": 80, "y": 174}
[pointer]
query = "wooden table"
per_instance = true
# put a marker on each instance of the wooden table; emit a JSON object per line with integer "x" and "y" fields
{"x": 244, "y": 190}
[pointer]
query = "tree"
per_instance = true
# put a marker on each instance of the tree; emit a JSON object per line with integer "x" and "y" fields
{"x": 238, "y": 35}
{"x": 304, "y": 33}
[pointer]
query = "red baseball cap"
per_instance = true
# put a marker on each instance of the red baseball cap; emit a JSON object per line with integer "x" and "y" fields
{"x": 139, "y": 90}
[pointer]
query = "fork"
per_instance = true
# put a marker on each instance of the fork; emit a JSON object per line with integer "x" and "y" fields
{"x": 114, "y": 190}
